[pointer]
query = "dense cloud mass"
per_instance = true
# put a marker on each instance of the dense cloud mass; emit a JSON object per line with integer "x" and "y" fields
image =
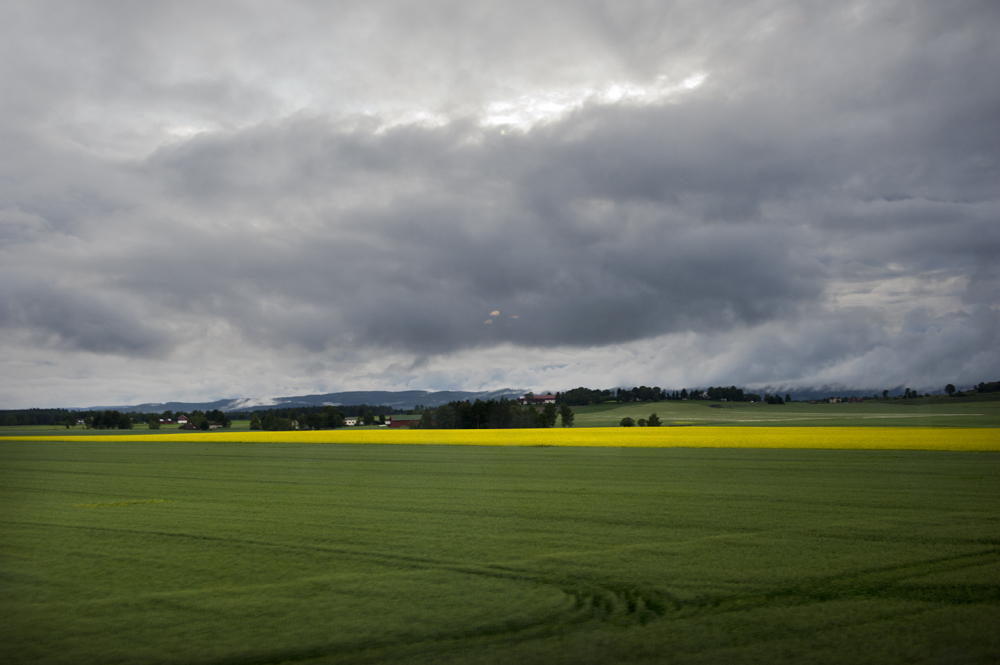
{"x": 272, "y": 198}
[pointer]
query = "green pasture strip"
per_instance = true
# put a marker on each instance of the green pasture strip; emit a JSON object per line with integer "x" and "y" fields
{"x": 921, "y": 412}
{"x": 271, "y": 553}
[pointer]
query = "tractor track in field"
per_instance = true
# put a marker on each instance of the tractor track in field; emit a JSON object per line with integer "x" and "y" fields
{"x": 605, "y": 598}
{"x": 625, "y": 605}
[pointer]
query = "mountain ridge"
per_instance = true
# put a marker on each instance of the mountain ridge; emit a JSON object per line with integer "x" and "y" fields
{"x": 404, "y": 399}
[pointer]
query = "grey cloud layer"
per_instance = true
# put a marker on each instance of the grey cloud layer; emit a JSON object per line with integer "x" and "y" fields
{"x": 410, "y": 238}
{"x": 828, "y": 147}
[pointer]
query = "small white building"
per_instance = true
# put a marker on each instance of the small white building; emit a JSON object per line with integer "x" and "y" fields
{"x": 350, "y": 421}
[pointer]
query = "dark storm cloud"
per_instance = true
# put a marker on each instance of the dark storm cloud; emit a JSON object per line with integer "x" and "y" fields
{"x": 73, "y": 319}
{"x": 830, "y": 150}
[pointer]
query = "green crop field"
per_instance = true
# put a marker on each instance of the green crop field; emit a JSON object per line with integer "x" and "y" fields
{"x": 939, "y": 411}
{"x": 124, "y": 552}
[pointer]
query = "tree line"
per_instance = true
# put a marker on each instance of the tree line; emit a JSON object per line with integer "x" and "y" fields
{"x": 586, "y": 396}
{"x": 279, "y": 420}
{"x": 320, "y": 417}
{"x": 494, "y": 414}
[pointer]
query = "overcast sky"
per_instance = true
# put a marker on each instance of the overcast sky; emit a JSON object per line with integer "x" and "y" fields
{"x": 228, "y": 199}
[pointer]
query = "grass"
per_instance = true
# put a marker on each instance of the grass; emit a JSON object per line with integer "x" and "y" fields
{"x": 122, "y": 551}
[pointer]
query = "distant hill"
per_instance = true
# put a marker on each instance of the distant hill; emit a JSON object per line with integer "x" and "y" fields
{"x": 405, "y": 399}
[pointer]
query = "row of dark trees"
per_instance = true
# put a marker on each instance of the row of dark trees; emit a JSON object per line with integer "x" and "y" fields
{"x": 20, "y": 417}
{"x": 316, "y": 417}
{"x": 652, "y": 421}
{"x": 298, "y": 413}
{"x": 983, "y": 387}
{"x": 327, "y": 417}
{"x": 108, "y": 420}
{"x": 585, "y": 396}
{"x": 495, "y": 414}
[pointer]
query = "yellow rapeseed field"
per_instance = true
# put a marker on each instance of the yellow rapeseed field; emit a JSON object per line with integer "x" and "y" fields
{"x": 845, "y": 438}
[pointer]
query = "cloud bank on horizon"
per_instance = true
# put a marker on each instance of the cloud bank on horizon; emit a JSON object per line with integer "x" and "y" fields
{"x": 236, "y": 199}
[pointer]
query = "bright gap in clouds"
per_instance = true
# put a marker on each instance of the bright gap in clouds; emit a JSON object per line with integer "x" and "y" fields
{"x": 530, "y": 109}
{"x": 521, "y": 113}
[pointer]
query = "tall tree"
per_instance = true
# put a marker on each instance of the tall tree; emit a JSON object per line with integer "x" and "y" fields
{"x": 566, "y": 415}
{"x": 549, "y": 415}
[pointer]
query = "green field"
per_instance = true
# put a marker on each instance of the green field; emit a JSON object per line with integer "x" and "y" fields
{"x": 231, "y": 553}
{"x": 943, "y": 411}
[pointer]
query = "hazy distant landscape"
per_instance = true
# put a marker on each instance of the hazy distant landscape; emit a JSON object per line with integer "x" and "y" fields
{"x": 937, "y": 411}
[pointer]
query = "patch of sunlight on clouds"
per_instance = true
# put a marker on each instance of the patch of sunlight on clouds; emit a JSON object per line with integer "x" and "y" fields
{"x": 894, "y": 295}
{"x": 412, "y": 117}
{"x": 184, "y": 131}
{"x": 534, "y": 108}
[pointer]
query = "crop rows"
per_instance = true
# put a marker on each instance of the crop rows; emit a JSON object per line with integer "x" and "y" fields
{"x": 125, "y": 552}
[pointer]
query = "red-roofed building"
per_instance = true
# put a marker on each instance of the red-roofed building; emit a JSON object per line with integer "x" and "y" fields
{"x": 547, "y": 398}
{"x": 403, "y": 421}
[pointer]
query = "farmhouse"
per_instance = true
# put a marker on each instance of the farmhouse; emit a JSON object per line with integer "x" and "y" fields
{"x": 350, "y": 421}
{"x": 403, "y": 421}
{"x": 182, "y": 420}
{"x": 547, "y": 398}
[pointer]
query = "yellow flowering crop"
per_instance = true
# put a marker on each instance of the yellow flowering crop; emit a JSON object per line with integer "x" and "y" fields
{"x": 850, "y": 438}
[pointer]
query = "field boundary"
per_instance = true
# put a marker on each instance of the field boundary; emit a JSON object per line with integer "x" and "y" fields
{"x": 832, "y": 438}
